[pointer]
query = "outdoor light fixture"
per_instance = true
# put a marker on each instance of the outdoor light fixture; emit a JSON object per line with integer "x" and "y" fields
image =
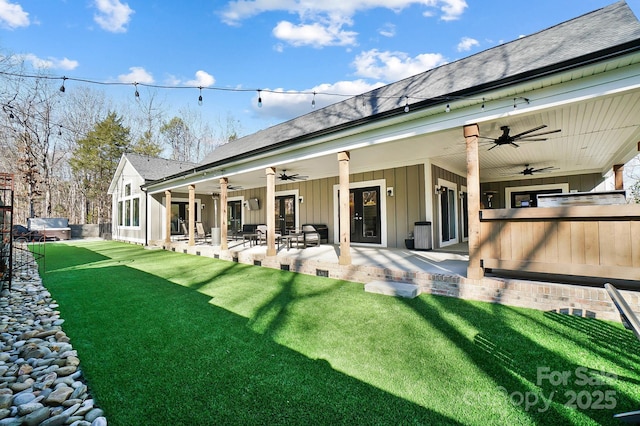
{"x": 313, "y": 101}
{"x": 447, "y": 109}
{"x": 440, "y": 189}
{"x": 482, "y": 107}
{"x": 200, "y": 97}
{"x": 406, "y": 106}
{"x": 259, "y": 99}
{"x": 62, "y": 88}
{"x": 136, "y": 94}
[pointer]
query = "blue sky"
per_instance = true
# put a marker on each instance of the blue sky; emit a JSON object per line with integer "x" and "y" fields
{"x": 293, "y": 46}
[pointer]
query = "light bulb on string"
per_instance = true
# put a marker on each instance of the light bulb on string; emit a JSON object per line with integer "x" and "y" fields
{"x": 259, "y": 98}
{"x": 482, "y": 107}
{"x": 200, "y": 96}
{"x": 62, "y": 88}
{"x": 448, "y": 108}
{"x": 136, "y": 94}
{"x": 313, "y": 101}
{"x": 406, "y": 106}
{"x": 59, "y": 130}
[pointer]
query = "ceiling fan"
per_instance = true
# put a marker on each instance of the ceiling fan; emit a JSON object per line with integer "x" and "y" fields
{"x": 526, "y": 136}
{"x": 295, "y": 176}
{"x": 528, "y": 171}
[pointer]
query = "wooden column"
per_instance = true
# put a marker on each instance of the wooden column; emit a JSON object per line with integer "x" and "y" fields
{"x": 271, "y": 210}
{"x": 471, "y": 133}
{"x": 192, "y": 215}
{"x": 344, "y": 212}
{"x": 224, "y": 227}
{"x": 167, "y": 215}
{"x": 618, "y": 170}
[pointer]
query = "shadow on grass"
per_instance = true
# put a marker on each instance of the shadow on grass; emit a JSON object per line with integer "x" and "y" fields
{"x": 514, "y": 360}
{"x": 158, "y": 353}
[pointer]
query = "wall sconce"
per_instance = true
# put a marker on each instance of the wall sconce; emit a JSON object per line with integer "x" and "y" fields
{"x": 489, "y": 195}
{"x": 440, "y": 189}
{"x": 462, "y": 194}
{"x": 202, "y": 206}
{"x": 390, "y": 191}
{"x": 301, "y": 199}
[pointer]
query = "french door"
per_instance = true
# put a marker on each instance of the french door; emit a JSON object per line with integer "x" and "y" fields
{"x": 364, "y": 206}
{"x": 285, "y": 213}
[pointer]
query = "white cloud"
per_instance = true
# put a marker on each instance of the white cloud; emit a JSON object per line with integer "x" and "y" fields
{"x": 203, "y": 79}
{"x": 285, "y": 105}
{"x": 316, "y": 34}
{"x": 322, "y": 22}
{"x": 113, "y": 15}
{"x": 49, "y": 63}
{"x": 394, "y": 66}
{"x": 466, "y": 43}
{"x": 239, "y": 10}
{"x": 387, "y": 30}
{"x": 137, "y": 75}
{"x": 12, "y": 16}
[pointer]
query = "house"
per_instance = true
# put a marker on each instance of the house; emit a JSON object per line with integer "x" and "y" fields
{"x": 130, "y": 220}
{"x": 443, "y": 154}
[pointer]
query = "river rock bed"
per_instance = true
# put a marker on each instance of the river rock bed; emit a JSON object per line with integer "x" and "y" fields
{"x": 41, "y": 381}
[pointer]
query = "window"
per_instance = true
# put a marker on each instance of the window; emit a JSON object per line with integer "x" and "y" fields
{"x": 129, "y": 208}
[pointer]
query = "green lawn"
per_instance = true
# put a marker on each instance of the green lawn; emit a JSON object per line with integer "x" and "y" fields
{"x": 167, "y": 338}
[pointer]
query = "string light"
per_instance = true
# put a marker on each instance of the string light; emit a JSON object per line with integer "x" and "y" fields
{"x": 365, "y": 96}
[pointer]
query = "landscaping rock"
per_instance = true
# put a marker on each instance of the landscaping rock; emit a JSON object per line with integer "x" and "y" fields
{"x": 41, "y": 379}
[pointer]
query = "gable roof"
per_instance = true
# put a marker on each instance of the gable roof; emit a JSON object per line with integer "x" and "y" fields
{"x": 149, "y": 168}
{"x": 154, "y": 168}
{"x": 611, "y": 30}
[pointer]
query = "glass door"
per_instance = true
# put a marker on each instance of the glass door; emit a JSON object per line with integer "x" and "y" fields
{"x": 448, "y": 216}
{"x": 364, "y": 208}
{"x": 285, "y": 214}
{"x": 234, "y": 217}
{"x": 178, "y": 215}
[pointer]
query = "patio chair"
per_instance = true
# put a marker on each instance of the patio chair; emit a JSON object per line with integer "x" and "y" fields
{"x": 631, "y": 322}
{"x": 308, "y": 237}
{"x": 261, "y": 230}
{"x": 200, "y": 233}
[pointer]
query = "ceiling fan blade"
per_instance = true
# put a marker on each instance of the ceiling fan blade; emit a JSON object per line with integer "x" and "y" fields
{"x": 488, "y": 138}
{"x": 493, "y": 147}
{"x": 543, "y": 169}
{"x": 532, "y": 140}
{"x": 519, "y": 135}
{"x": 514, "y": 144}
{"x": 544, "y": 133}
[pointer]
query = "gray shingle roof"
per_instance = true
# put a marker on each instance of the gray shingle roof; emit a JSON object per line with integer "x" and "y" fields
{"x": 154, "y": 168}
{"x": 593, "y": 32}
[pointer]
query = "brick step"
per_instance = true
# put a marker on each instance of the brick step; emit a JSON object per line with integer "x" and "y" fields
{"x": 393, "y": 288}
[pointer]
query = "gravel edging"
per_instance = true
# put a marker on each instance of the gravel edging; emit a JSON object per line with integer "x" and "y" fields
{"x": 41, "y": 382}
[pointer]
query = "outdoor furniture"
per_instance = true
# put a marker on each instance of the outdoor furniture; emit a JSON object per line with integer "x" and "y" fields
{"x": 322, "y": 229}
{"x": 631, "y": 322}
{"x": 51, "y": 227}
{"x": 247, "y": 230}
{"x": 200, "y": 233}
{"x": 262, "y": 235}
{"x": 308, "y": 237}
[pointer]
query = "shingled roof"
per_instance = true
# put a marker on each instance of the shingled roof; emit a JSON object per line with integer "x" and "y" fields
{"x": 154, "y": 168}
{"x": 607, "y": 31}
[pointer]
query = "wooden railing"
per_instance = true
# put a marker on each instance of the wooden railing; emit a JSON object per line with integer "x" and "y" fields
{"x": 594, "y": 241}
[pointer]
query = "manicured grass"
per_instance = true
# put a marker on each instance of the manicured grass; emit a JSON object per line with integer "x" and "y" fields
{"x": 168, "y": 338}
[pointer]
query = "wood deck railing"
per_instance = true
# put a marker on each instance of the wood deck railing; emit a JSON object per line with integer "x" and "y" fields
{"x": 594, "y": 241}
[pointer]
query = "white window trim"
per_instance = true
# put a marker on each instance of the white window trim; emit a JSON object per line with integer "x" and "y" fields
{"x": 296, "y": 197}
{"x": 123, "y": 199}
{"x": 456, "y": 213}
